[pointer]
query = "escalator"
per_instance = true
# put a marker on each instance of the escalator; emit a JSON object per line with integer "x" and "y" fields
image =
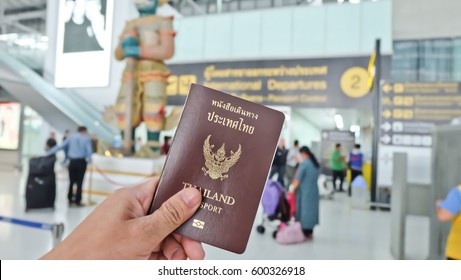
{"x": 62, "y": 109}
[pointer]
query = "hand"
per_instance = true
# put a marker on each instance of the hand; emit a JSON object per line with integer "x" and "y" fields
{"x": 119, "y": 229}
{"x": 437, "y": 202}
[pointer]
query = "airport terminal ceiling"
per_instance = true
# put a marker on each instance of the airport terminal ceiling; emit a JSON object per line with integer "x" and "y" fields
{"x": 431, "y": 63}
{"x": 23, "y": 16}
{"x": 325, "y": 118}
{"x": 29, "y": 16}
{"x": 200, "y": 7}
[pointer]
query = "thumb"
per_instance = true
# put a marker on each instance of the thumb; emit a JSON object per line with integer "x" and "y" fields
{"x": 173, "y": 213}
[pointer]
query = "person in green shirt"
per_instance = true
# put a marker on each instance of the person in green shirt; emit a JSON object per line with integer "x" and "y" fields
{"x": 338, "y": 167}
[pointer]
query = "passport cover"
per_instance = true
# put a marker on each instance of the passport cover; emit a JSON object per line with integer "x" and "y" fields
{"x": 224, "y": 146}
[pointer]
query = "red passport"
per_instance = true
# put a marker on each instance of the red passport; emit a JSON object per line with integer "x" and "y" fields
{"x": 224, "y": 146}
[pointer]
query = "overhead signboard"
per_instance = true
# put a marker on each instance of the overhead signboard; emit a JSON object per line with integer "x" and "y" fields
{"x": 411, "y": 110}
{"x": 83, "y": 47}
{"x": 320, "y": 82}
{"x": 409, "y": 113}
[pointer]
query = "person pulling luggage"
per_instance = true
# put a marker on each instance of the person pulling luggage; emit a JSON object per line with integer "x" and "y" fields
{"x": 79, "y": 150}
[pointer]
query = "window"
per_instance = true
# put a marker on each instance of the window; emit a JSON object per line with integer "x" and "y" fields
{"x": 435, "y": 60}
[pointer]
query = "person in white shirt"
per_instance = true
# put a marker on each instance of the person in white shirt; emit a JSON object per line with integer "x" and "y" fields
{"x": 293, "y": 160}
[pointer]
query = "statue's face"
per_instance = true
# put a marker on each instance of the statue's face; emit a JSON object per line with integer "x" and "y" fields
{"x": 146, "y": 7}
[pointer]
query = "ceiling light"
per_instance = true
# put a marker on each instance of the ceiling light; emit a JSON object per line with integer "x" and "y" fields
{"x": 354, "y": 128}
{"x": 9, "y": 36}
{"x": 339, "y": 121}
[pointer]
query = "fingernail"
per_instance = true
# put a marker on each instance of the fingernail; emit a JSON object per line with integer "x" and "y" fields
{"x": 191, "y": 197}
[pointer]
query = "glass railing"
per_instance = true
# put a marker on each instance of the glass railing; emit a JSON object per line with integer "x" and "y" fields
{"x": 30, "y": 49}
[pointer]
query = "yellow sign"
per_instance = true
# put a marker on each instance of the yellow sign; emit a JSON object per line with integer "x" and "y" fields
{"x": 371, "y": 70}
{"x": 354, "y": 82}
{"x": 184, "y": 83}
{"x": 399, "y": 88}
{"x": 409, "y": 101}
{"x": 403, "y": 114}
{"x": 408, "y": 114}
{"x": 404, "y": 101}
{"x": 386, "y": 101}
{"x": 387, "y": 88}
{"x": 387, "y": 114}
{"x": 172, "y": 87}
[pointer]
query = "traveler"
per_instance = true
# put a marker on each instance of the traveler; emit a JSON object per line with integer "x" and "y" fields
{"x": 293, "y": 160}
{"x": 280, "y": 160}
{"x": 166, "y": 145}
{"x": 51, "y": 142}
{"x": 355, "y": 164}
{"x": 449, "y": 210}
{"x": 337, "y": 166}
{"x": 307, "y": 192}
{"x": 66, "y": 135}
{"x": 79, "y": 150}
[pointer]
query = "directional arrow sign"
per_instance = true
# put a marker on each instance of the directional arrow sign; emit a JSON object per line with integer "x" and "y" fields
{"x": 386, "y": 139}
{"x": 387, "y": 114}
{"x": 387, "y": 88}
{"x": 386, "y": 101}
{"x": 386, "y": 126}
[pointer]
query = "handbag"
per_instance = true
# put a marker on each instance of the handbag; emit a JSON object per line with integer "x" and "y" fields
{"x": 290, "y": 234}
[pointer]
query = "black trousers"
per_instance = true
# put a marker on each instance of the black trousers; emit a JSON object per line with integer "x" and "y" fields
{"x": 338, "y": 174}
{"x": 77, "y": 169}
{"x": 354, "y": 174}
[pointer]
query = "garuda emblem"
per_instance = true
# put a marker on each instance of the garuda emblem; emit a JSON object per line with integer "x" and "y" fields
{"x": 218, "y": 163}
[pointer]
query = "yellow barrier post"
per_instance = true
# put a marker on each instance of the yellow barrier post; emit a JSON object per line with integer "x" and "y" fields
{"x": 90, "y": 186}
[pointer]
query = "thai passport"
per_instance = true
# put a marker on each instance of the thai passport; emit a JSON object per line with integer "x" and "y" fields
{"x": 224, "y": 147}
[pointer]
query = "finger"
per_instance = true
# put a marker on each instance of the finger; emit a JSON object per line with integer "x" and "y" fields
{"x": 157, "y": 256}
{"x": 173, "y": 212}
{"x": 173, "y": 250}
{"x": 145, "y": 192}
{"x": 194, "y": 249}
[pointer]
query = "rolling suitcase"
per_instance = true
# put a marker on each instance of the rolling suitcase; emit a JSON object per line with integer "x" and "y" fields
{"x": 41, "y": 183}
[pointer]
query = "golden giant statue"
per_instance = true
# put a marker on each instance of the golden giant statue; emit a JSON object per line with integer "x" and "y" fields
{"x": 144, "y": 44}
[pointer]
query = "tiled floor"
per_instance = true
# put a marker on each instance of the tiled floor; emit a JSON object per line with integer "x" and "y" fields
{"x": 344, "y": 232}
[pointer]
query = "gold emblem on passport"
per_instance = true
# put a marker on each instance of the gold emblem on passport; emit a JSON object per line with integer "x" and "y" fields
{"x": 218, "y": 163}
{"x": 198, "y": 224}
